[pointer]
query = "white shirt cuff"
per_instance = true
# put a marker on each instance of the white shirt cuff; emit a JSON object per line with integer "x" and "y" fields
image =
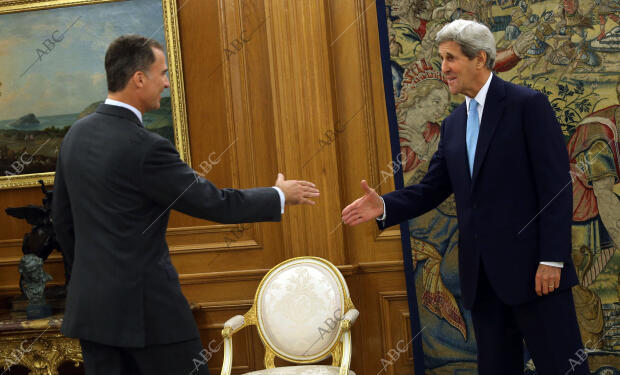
{"x": 382, "y": 216}
{"x": 553, "y": 264}
{"x": 282, "y": 198}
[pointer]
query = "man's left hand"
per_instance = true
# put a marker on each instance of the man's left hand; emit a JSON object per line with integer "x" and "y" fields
{"x": 547, "y": 279}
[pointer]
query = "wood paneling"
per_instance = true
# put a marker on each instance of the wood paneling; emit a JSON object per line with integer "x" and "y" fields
{"x": 291, "y": 86}
{"x": 396, "y": 334}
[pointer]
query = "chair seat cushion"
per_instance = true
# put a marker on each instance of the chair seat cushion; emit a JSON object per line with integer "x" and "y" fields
{"x": 300, "y": 370}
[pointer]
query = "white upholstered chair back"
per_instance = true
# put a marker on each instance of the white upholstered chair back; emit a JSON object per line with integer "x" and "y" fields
{"x": 303, "y": 312}
{"x": 299, "y": 305}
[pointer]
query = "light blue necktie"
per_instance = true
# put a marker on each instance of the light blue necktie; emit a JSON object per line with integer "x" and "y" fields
{"x": 473, "y": 128}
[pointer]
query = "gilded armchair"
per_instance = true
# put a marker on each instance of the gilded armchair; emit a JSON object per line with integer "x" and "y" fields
{"x": 303, "y": 313}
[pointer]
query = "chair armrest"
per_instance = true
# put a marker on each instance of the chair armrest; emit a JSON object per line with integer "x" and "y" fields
{"x": 347, "y": 320}
{"x": 231, "y": 326}
{"x": 234, "y": 323}
{"x": 351, "y": 316}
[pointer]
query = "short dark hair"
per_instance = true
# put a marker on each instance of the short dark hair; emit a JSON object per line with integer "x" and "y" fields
{"x": 126, "y": 55}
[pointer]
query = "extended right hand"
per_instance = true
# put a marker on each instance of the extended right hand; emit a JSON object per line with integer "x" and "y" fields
{"x": 297, "y": 192}
{"x": 363, "y": 209}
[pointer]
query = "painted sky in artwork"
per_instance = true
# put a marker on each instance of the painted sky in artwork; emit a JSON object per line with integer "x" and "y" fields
{"x": 71, "y": 75}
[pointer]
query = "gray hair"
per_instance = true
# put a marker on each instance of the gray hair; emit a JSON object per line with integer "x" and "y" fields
{"x": 472, "y": 36}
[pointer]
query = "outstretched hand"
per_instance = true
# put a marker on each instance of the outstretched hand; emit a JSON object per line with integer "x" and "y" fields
{"x": 297, "y": 191}
{"x": 363, "y": 209}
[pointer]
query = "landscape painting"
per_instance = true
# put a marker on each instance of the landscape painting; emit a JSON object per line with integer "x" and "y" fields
{"x": 52, "y": 74}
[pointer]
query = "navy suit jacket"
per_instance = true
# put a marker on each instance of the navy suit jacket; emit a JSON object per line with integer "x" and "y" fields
{"x": 516, "y": 209}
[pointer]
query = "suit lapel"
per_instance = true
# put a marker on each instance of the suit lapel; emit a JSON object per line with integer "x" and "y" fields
{"x": 493, "y": 108}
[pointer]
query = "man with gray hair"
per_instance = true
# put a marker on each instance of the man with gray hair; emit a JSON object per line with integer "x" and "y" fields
{"x": 503, "y": 156}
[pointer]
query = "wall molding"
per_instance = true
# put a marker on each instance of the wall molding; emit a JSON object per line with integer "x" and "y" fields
{"x": 386, "y": 300}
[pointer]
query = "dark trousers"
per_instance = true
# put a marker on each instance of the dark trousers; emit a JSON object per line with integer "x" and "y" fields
{"x": 548, "y": 325}
{"x": 181, "y": 358}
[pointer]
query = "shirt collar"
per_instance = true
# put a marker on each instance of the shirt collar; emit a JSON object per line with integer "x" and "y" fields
{"x": 482, "y": 94}
{"x": 125, "y": 105}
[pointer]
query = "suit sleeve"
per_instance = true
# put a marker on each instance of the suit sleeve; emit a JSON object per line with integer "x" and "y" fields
{"x": 62, "y": 216}
{"x": 415, "y": 200}
{"x": 171, "y": 183}
{"x": 550, "y": 165}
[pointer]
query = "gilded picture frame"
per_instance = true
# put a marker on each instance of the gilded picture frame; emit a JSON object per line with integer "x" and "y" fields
{"x": 29, "y": 144}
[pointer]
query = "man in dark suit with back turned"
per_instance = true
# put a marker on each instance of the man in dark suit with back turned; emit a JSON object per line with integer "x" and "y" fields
{"x": 115, "y": 185}
{"x": 503, "y": 156}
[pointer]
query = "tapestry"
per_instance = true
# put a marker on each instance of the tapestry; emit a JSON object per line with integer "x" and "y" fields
{"x": 566, "y": 49}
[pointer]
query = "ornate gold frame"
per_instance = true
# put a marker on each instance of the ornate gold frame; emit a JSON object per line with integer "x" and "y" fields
{"x": 175, "y": 72}
{"x": 37, "y": 345}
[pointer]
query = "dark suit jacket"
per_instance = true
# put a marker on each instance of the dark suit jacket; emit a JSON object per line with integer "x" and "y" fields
{"x": 516, "y": 209}
{"x": 115, "y": 184}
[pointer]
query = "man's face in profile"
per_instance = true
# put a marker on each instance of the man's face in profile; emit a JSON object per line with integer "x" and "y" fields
{"x": 156, "y": 81}
{"x": 458, "y": 69}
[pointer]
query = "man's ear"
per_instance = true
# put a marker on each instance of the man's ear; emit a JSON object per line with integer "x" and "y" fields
{"x": 138, "y": 79}
{"x": 481, "y": 59}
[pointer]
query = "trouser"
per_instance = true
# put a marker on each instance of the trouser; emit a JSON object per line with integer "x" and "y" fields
{"x": 182, "y": 358}
{"x": 548, "y": 325}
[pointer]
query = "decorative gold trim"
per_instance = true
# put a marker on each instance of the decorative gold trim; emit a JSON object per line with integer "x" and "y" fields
{"x": 348, "y": 304}
{"x": 26, "y": 180}
{"x": 337, "y": 355}
{"x": 227, "y": 332}
{"x": 250, "y": 316}
{"x": 175, "y": 71}
{"x": 269, "y": 358}
{"x": 15, "y": 6}
{"x": 43, "y": 355}
{"x": 177, "y": 85}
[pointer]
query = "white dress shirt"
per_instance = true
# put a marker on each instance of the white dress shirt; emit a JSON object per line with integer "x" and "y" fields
{"x": 480, "y": 98}
{"x": 125, "y": 105}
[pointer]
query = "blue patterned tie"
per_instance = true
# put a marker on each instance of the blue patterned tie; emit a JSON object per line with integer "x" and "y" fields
{"x": 473, "y": 128}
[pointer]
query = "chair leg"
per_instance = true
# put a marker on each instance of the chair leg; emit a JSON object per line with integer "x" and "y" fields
{"x": 228, "y": 354}
{"x": 346, "y": 353}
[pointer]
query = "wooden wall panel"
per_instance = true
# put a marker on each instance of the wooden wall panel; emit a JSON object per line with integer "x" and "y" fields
{"x": 396, "y": 333}
{"x": 299, "y": 58}
{"x": 291, "y": 86}
{"x": 364, "y": 146}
